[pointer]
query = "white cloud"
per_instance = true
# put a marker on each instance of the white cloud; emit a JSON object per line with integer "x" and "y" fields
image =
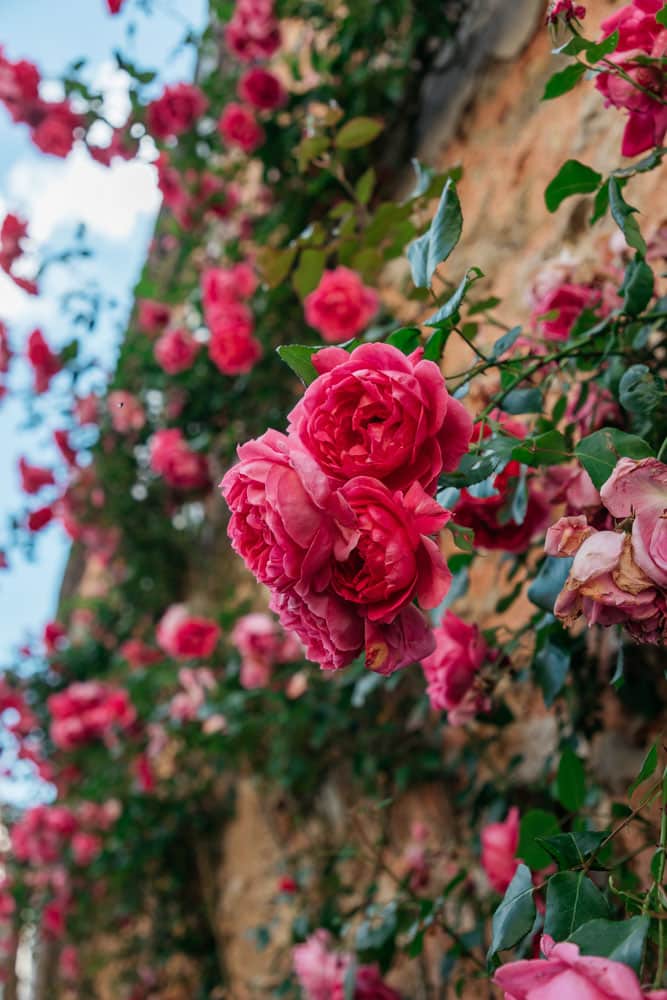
{"x": 109, "y": 200}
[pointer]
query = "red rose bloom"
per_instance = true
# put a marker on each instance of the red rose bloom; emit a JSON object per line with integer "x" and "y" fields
{"x": 238, "y": 127}
{"x": 176, "y": 110}
{"x": 185, "y": 636}
{"x": 55, "y": 132}
{"x": 153, "y": 316}
{"x": 341, "y": 306}
{"x": 34, "y": 477}
{"x": 39, "y": 518}
{"x": 45, "y": 363}
{"x": 261, "y": 89}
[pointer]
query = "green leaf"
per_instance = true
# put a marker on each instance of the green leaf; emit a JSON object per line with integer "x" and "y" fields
{"x": 604, "y": 48}
{"x": 506, "y": 341}
{"x": 661, "y": 16}
{"x": 462, "y": 535}
{"x": 299, "y": 358}
{"x": 309, "y": 271}
{"x": 549, "y": 582}
{"x": 571, "y": 781}
{"x": 571, "y": 850}
{"x": 523, "y": 401}
{"x": 536, "y": 823}
{"x": 563, "y": 81}
{"x": 435, "y": 345}
{"x": 358, "y": 132}
{"x": 437, "y": 243}
{"x": 572, "y": 178}
{"x": 549, "y": 448}
{"x": 623, "y": 215}
{"x": 647, "y": 769}
{"x": 640, "y": 391}
{"x": 364, "y": 186}
{"x": 572, "y": 900}
{"x": 275, "y": 264}
{"x": 451, "y": 306}
{"x": 619, "y": 940}
{"x": 514, "y": 917}
{"x": 406, "y": 339}
{"x": 551, "y": 666}
{"x": 600, "y": 451}
{"x": 484, "y": 306}
{"x": 638, "y": 285}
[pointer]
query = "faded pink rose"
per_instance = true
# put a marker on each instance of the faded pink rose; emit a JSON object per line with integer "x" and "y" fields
{"x": 565, "y": 537}
{"x": 590, "y": 407}
{"x": 239, "y": 127}
{"x": 185, "y": 636}
{"x": 126, "y": 412}
{"x": 171, "y": 457}
{"x": 261, "y": 89}
{"x": 451, "y": 670}
{"x": 405, "y": 640}
{"x": 640, "y": 34}
{"x": 176, "y": 110}
{"x": 341, "y": 306}
{"x": 606, "y": 585}
{"x": 639, "y": 489}
{"x": 176, "y": 350}
{"x": 378, "y": 413}
{"x": 565, "y": 974}
{"x": 500, "y": 842}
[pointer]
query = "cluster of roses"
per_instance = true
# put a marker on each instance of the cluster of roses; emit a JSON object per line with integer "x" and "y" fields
{"x": 225, "y": 291}
{"x": 337, "y": 517}
{"x": 13, "y": 232}
{"x": 192, "y": 194}
{"x": 87, "y": 711}
{"x": 637, "y": 80}
{"x": 619, "y": 576}
{"x": 53, "y": 124}
{"x": 323, "y": 972}
{"x": 44, "y": 833}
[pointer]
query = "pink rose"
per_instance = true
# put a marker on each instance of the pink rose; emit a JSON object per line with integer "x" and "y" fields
{"x": 153, "y": 316}
{"x": 44, "y": 362}
{"x": 126, "y": 412}
{"x": 85, "y": 847}
{"x": 392, "y": 559}
{"x": 568, "y": 974}
{"x": 185, "y": 636}
{"x": 261, "y": 89}
{"x": 232, "y": 348}
{"x": 257, "y": 635}
{"x": 568, "y": 301}
{"x": 331, "y": 631}
{"x": 286, "y": 521}
{"x": 405, "y": 640}
{"x": 565, "y": 537}
{"x": 222, "y": 285}
{"x": 640, "y": 34}
{"x": 176, "y": 110}
{"x": 500, "y": 842}
{"x": 176, "y": 350}
{"x": 639, "y": 489}
{"x": 606, "y": 585}
{"x": 451, "y": 670}
{"x": 321, "y": 972}
{"x": 171, "y": 457}
{"x": 341, "y": 306}
{"x": 253, "y": 32}
{"x": 87, "y": 711}
{"x": 239, "y": 127}
{"x": 375, "y": 412}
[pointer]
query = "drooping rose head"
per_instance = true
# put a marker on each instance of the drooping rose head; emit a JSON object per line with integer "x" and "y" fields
{"x": 565, "y": 973}
{"x": 639, "y": 489}
{"x": 451, "y": 670}
{"x": 341, "y": 306}
{"x": 376, "y": 412}
{"x": 500, "y": 842}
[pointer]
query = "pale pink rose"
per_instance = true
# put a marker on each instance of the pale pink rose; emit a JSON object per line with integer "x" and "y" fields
{"x": 598, "y": 409}
{"x": 500, "y": 842}
{"x": 86, "y": 408}
{"x": 341, "y": 306}
{"x": 126, "y": 412}
{"x": 239, "y": 127}
{"x": 451, "y": 670}
{"x": 176, "y": 350}
{"x": 565, "y": 537}
{"x": 255, "y": 673}
{"x": 568, "y": 975}
{"x": 297, "y": 685}
{"x": 639, "y": 489}
{"x": 376, "y": 412}
{"x": 258, "y": 635}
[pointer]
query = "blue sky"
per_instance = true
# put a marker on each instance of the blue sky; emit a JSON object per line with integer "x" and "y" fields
{"x": 118, "y": 207}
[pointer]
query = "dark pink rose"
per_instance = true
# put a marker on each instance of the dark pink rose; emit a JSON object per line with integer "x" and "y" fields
{"x": 239, "y": 127}
{"x": 44, "y": 362}
{"x": 56, "y": 131}
{"x": 568, "y": 974}
{"x": 393, "y": 560}
{"x": 186, "y": 636}
{"x": 640, "y": 34}
{"x": 153, "y": 316}
{"x": 176, "y": 110}
{"x": 176, "y": 350}
{"x": 405, "y": 640}
{"x": 332, "y": 632}
{"x": 639, "y": 489}
{"x": 286, "y": 521}
{"x": 565, "y": 10}
{"x": 261, "y": 89}
{"x": 341, "y": 306}
{"x": 500, "y": 842}
{"x": 138, "y": 654}
{"x": 379, "y": 413}
{"x": 88, "y": 711}
{"x": 171, "y": 457}
{"x": 231, "y": 347}
{"x": 253, "y": 32}
{"x": 34, "y": 477}
{"x": 451, "y": 670}
{"x": 568, "y": 301}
